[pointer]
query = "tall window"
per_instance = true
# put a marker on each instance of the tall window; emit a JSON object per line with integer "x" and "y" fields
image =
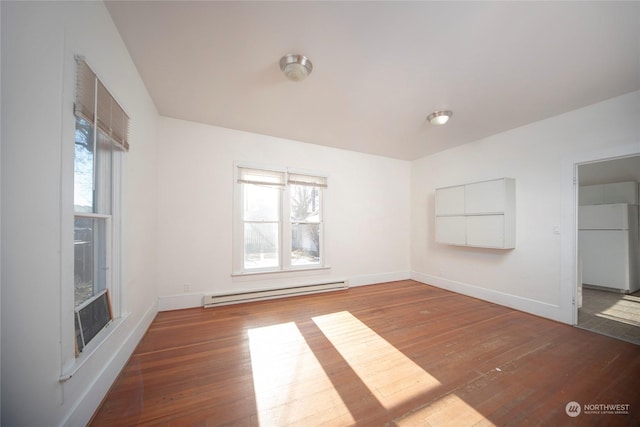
{"x": 281, "y": 219}
{"x": 101, "y": 135}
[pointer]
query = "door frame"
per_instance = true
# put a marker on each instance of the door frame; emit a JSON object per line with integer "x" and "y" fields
{"x": 569, "y": 230}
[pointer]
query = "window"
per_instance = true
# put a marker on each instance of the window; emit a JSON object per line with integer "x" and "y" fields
{"x": 101, "y": 135}
{"x": 281, "y": 220}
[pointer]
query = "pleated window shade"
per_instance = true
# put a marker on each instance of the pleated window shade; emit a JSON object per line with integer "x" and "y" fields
{"x": 95, "y": 104}
{"x": 261, "y": 177}
{"x": 308, "y": 180}
{"x": 278, "y": 178}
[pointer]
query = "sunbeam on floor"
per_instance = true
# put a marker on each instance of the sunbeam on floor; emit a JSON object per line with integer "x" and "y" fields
{"x": 390, "y": 375}
{"x": 290, "y": 384}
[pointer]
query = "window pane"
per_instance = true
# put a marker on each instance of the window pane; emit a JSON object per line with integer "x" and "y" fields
{"x": 83, "y": 172}
{"x": 261, "y": 245}
{"x": 305, "y": 203}
{"x": 305, "y": 244}
{"x": 104, "y": 163}
{"x": 261, "y": 203}
{"x": 90, "y": 258}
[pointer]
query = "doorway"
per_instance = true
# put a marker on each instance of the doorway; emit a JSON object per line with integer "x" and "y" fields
{"x": 608, "y": 299}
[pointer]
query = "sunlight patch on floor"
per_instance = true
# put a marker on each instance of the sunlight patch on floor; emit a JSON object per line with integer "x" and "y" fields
{"x": 290, "y": 385}
{"x": 447, "y": 411}
{"x": 625, "y": 310}
{"x": 391, "y": 376}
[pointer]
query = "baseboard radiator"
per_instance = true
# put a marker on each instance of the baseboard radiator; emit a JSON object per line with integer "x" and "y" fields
{"x": 226, "y": 299}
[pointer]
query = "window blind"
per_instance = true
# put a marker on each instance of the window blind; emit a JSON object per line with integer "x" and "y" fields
{"x": 95, "y": 104}
{"x": 85, "y": 105}
{"x": 261, "y": 177}
{"x": 308, "y": 180}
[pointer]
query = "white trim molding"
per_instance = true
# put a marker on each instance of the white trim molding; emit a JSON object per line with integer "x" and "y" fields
{"x": 373, "y": 279}
{"x": 528, "y": 305}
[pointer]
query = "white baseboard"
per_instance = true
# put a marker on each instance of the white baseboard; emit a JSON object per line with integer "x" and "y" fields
{"x": 180, "y": 301}
{"x": 528, "y": 305}
{"x": 192, "y": 300}
{"x": 84, "y": 409}
{"x": 372, "y": 279}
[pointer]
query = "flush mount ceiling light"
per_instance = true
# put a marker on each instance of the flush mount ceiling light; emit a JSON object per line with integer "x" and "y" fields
{"x": 439, "y": 117}
{"x": 295, "y": 67}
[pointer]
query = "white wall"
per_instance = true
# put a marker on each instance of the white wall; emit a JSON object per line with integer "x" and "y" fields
{"x": 536, "y": 275}
{"x": 366, "y": 212}
{"x": 38, "y": 75}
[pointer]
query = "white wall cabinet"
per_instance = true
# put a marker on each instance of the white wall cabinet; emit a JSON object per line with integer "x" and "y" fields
{"x": 484, "y": 197}
{"x": 616, "y": 192}
{"x": 450, "y": 201}
{"x": 480, "y": 214}
{"x": 451, "y": 230}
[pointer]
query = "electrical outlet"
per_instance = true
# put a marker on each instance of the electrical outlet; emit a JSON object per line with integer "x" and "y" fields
{"x": 187, "y": 287}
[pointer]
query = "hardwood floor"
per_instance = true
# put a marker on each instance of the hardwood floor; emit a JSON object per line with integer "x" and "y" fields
{"x": 396, "y": 354}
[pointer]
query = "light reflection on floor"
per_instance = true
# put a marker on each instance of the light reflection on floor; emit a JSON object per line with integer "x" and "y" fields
{"x": 390, "y": 375}
{"x": 290, "y": 385}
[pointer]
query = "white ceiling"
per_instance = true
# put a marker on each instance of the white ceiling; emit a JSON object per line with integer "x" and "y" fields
{"x": 381, "y": 67}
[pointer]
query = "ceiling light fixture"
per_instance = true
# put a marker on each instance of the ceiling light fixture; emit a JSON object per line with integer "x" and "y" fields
{"x": 439, "y": 117}
{"x": 295, "y": 67}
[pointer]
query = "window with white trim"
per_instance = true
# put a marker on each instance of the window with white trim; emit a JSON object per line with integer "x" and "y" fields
{"x": 280, "y": 222}
{"x": 101, "y": 135}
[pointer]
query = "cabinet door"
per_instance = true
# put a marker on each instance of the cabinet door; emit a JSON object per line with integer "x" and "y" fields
{"x": 603, "y": 217}
{"x": 621, "y": 192}
{"x": 591, "y": 195}
{"x": 451, "y": 230}
{"x": 485, "y": 231}
{"x": 484, "y": 197}
{"x": 450, "y": 201}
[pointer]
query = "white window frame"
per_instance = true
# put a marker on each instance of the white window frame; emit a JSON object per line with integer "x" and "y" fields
{"x": 112, "y": 247}
{"x": 112, "y": 221}
{"x": 284, "y": 228}
{"x": 70, "y": 363}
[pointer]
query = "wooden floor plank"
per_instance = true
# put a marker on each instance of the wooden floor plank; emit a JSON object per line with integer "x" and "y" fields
{"x": 396, "y": 354}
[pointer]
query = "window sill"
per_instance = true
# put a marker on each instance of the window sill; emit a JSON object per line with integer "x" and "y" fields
{"x": 92, "y": 347}
{"x": 278, "y": 272}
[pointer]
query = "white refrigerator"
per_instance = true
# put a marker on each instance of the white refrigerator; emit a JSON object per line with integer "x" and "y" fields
{"x": 609, "y": 246}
